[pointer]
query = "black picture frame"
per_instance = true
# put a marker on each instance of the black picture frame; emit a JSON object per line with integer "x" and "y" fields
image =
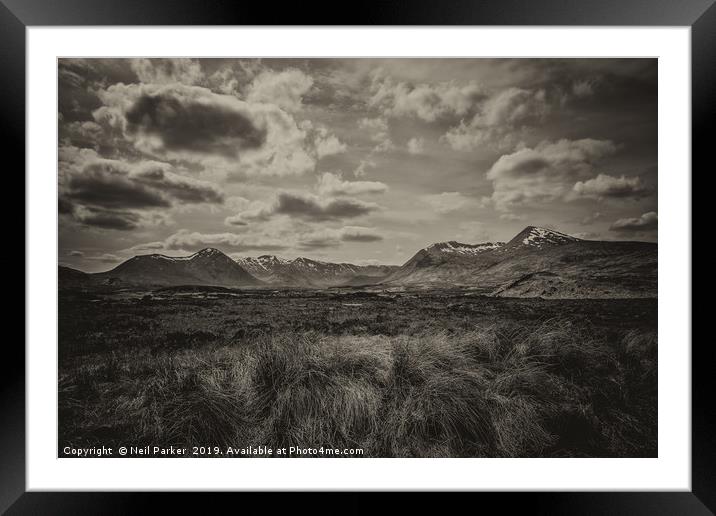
{"x": 700, "y": 15}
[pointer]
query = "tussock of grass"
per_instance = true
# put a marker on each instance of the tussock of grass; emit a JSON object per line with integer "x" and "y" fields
{"x": 553, "y": 389}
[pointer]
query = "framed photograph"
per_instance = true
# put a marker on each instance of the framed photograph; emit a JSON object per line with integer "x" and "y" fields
{"x": 416, "y": 250}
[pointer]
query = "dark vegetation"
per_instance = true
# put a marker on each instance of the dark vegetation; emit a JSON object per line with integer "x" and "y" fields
{"x": 442, "y": 373}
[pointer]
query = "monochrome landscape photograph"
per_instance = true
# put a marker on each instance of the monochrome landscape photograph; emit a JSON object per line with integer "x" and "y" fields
{"x": 356, "y": 258}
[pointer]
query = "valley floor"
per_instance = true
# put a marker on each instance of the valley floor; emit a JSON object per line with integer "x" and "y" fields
{"x": 441, "y": 373}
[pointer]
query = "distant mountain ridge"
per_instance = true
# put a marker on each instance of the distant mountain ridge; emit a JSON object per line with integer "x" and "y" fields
{"x": 537, "y": 262}
{"x": 208, "y": 267}
{"x": 304, "y": 272}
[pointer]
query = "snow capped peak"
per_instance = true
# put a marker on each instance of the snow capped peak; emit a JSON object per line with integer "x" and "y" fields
{"x": 209, "y": 251}
{"x": 535, "y": 236}
{"x": 308, "y": 261}
{"x": 274, "y": 259}
{"x": 262, "y": 263}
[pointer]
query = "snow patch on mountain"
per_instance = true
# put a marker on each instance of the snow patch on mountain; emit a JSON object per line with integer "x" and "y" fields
{"x": 454, "y": 247}
{"x": 204, "y": 253}
{"x": 539, "y": 237}
{"x": 265, "y": 262}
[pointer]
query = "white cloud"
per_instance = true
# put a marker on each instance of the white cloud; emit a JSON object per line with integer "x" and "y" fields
{"x": 544, "y": 173}
{"x": 606, "y": 186}
{"x": 583, "y": 88}
{"x": 646, "y": 222}
{"x": 192, "y": 240}
{"x": 384, "y": 146}
{"x": 363, "y": 166}
{"x": 512, "y": 106}
{"x": 500, "y": 121}
{"x": 324, "y": 143}
{"x": 329, "y": 146}
{"x": 416, "y": 146}
{"x": 377, "y": 126}
{"x": 104, "y": 258}
{"x": 447, "y": 202}
{"x": 145, "y": 247}
{"x": 428, "y": 102}
{"x": 167, "y": 71}
{"x": 379, "y": 133}
{"x": 284, "y": 89}
{"x": 588, "y": 235}
{"x": 333, "y": 184}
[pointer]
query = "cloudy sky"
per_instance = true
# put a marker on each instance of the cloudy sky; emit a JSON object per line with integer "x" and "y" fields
{"x": 359, "y": 160}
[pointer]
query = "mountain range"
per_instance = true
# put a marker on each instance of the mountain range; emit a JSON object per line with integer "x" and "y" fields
{"x": 207, "y": 267}
{"x": 304, "y": 272}
{"x": 537, "y": 262}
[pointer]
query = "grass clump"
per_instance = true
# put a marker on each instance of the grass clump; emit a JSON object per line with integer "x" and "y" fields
{"x": 553, "y": 388}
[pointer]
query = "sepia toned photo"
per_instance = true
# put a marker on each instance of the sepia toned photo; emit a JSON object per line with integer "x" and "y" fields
{"x": 355, "y": 258}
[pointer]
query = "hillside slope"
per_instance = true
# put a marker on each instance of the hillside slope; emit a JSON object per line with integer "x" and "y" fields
{"x": 208, "y": 267}
{"x": 579, "y": 269}
{"x": 536, "y": 262}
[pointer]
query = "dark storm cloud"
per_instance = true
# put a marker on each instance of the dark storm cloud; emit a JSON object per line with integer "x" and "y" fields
{"x": 105, "y": 184}
{"x": 327, "y": 238}
{"x": 311, "y": 207}
{"x": 183, "y": 189}
{"x": 108, "y": 219}
{"x": 114, "y": 184}
{"x": 64, "y": 206}
{"x": 188, "y": 125}
{"x": 528, "y": 166}
{"x": 358, "y": 237}
{"x": 631, "y": 88}
{"x": 646, "y": 222}
{"x": 305, "y": 206}
{"x": 79, "y": 78}
{"x": 85, "y": 134}
{"x": 605, "y": 82}
{"x": 112, "y": 194}
{"x": 251, "y": 137}
{"x": 83, "y": 72}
